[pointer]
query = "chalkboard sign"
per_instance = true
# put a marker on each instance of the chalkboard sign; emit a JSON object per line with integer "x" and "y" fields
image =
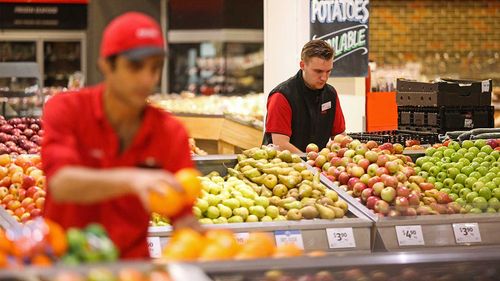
{"x": 344, "y": 25}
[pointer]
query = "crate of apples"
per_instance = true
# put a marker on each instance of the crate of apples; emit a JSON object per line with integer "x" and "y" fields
{"x": 22, "y": 186}
{"x": 380, "y": 177}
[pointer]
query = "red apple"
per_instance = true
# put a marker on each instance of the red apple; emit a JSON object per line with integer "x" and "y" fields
{"x": 371, "y": 156}
{"x": 388, "y": 194}
{"x": 312, "y": 147}
{"x": 390, "y": 181}
{"x": 35, "y": 212}
{"x": 365, "y": 193}
{"x": 373, "y": 180}
{"x": 341, "y": 152}
{"x": 387, "y": 146}
{"x": 13, "y": 205}
{"x": 357, "y": 171}
{"x": 382, "y": 159}
{"x": 371, "y": 144}
{"x": 371, "y": 201}
{"x": 21, "y": 194}
{"x": 364, "y": 163}
{"x": 26, "y": 202}
{"x": 402, "y": 204}
{"x": 357, "y": 188}
{"x": 338, "y": 138}
{"x": 330, "y": 156}
{"x": 381, "y": 207}
{"x": 30, "y": 207}
{"x": 343, "y": 178}
{"x": 310, "y": 162}
{"x": 351, "y": 182}
{"x": 39, "y": 202}
{"x": 402, "y": 191}
{"x": 377, "y": 188}
{"x": 39, "y": 194}
{"x": 3, "y": 192}
{"x": 381, "y": 171}
{"x": 19, "y": 211}
{"x": 392, "y": 167}
{"x": 5, "y": 182}
{"x": 27, "y": 182}
{"x": 7, "y": 199}
{"x": 32, "y": 190}
{"x": 25, "y": 217}
{"x": 312, "y": 155}
{"x": 426, "y": 186}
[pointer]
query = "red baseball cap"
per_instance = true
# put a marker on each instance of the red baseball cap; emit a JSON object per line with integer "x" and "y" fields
{"x": 134, "y": 35}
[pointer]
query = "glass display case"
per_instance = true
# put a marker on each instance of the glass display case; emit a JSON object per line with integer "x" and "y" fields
{"x": 61, "y": 60}
{"x": 227, "y": 68}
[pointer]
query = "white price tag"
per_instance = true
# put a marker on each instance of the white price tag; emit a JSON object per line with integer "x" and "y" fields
{"x": 340, "y": 238}
{"x": 154, "y": 247}
{"x": 241, "y": 237}
{"x": 289, "y": 237}
{"x": 485, "y": 86}
{"x": 466, "y": 232}
{"x": 409, "y": 235}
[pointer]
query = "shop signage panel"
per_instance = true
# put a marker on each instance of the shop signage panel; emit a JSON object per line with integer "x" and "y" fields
{"x": 344, "y": 25}
{"x": 60, "y": 16}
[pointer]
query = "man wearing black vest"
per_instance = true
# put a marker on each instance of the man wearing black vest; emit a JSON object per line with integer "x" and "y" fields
{"x": 304, "y": 109}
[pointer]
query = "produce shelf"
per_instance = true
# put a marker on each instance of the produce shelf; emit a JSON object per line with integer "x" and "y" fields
{"x": 313, "y": 233}
{"x": 427, "y": 232}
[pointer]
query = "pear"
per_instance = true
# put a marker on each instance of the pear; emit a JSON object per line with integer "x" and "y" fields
{"x": 288, "y": 181}
{"x": 271, "y": 152}
{"x": 234, "y": 173}
{"x": 206, "y": 221}
{"x": 266, "y": 219}
{"x": 285, "y": 156}
{"x": 197, "y": 212}
{"x": 294, "y": 194}
{"x": 319, "y": 186}
{"x": 316, "y": 178}
{"x": 259, "y": 179}
{"x": 213, "y": 173}
{"x": 270, "y": 181}
{"x": 332, "y": 194}
{"x": 235, "y": 219}
{"x": 248, "y": 162}
{"x": 259, "y": 154}
{"x": 212, "y": 200}
{"x": 283, "y": 211}
{"x": 316, "y": 194}
{"x": 296, "y": 158}
{"x": 250, "y": 152}
{"x": 280, "y": 218}
{"x": 225, "y": 211}
{"x": 276, "y": 160}
{"x": 257, "y": 188}
{"x": 266, "y": 192}
{"x": 252, "y": 173}
{"x": 241, "y": 157}
{"x": 339, "y": 213}
{"x": 220, "y": 220}
{"x": 252, "y": 218}
{"x": 285, "y": 171}
{"x": 232, "y": 203}
{"x": 299, "y": 167}
{"x": 308, "y": 201}
{"x": 307, "y": 175}
{"x": 293, "y": 205}
{"x": 272, "y": 211}
{"x": 305, "y": 191}
{"x": 248, "y": 192}
{"x": 213, "y": 212}
{"x": 325, "y": 201}
{"x": 294, "y": 215}
{"x": 202, "y": 204}
{"x": 324, "y": 212}
{"x": 244, "y": 168}
{"x": 245, "y": 202}
{"x": 274, "y": 200}
{"x": 284, "y": 165}
{"x": 262, "y": 201}
{"x": 242, "y": 212}
{"x": 309, "y": 212}
{"x": 259, "y": 211}
{"x": 286, "y": 201}
{"x": 273, "y": 170}
{"x": 280, "y": 190}
{"x": 308, "y": 182}
{"x": 341, "y": 204}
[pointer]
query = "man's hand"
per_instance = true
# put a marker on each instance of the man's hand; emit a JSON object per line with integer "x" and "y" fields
{"x": 144, "y": 181}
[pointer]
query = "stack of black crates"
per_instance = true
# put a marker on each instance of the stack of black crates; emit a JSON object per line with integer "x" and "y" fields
{"x": 445, "y": 105}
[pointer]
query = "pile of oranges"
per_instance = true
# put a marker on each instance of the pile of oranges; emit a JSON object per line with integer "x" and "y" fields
{"x": 216, "y": 245}
{"x": 173, "y": 202}
{"x": 43, "y": 242}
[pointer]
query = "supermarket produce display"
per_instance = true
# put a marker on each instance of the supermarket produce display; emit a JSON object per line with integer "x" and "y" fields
{"x": 20, "y": 135}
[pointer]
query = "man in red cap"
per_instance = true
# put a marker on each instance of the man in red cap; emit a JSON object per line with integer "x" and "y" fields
{"x": 101, "y": 142}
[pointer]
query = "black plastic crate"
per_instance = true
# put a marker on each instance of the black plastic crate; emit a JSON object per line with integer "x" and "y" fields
{"x": 443, "y": 119}
{"x": 396, "y": 136}
{"x": 446, "y": 92}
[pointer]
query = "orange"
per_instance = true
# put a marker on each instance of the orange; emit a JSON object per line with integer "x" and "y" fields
{"x": 5, "y": 243}
{"x": 3, "y": 260}
{"x": 5, "y": 159}
{"x": 287, "y": 251}
{"x": 188, "y": 178}
{"x": 258, "y": 245}
{"x": 167, "y": 205}
{"x": 186, "y": 244}
{"x": 41, "y": 260}
{"x": 221, "y": 245}
{"x": 57, "y": 238}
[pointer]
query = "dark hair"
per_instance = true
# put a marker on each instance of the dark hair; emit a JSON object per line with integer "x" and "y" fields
{"x": 112, "y": 61}
{"x": 316, "y": 48}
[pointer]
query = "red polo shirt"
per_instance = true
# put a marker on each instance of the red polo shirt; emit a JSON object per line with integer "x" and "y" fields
{"x": 279, "y": 119}
{"x": 77, "y": 133}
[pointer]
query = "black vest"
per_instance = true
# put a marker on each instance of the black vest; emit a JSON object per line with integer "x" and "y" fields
{"x": 309, "y": 123}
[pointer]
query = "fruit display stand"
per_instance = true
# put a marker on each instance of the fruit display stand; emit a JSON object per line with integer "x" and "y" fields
{"x": 228, "y": 131}
{"x": 427, "y": 232}
{"x": 459, "y": 264}
{"x": 350, "y": 234}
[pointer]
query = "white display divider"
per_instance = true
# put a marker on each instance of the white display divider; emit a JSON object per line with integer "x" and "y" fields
{"x": 349, "y": 234}
{"x": 407, "y": 233}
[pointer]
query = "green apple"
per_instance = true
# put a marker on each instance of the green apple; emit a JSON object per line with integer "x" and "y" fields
{"x": 448, "y": 152}
{"x": 467, "y": 170}
{"x": 471, "y": 196}
{"x": 461, "y": 201}
{"x": 477, "y": 186}
{"x": 463, "y": 192}
{"x": 467, "y": 144}
{"x": 448, "y": 182}
{"x": 453, "y": 196}
{"x": 485, "y": 192}
{"x": 480, "y": 202}
{"x": 453, "y": 172}
{"x": 456, "y": 188}
{"x": 469, "y": 182}
{"x": 460, "y": 178}
{"x": 475, "y": 211}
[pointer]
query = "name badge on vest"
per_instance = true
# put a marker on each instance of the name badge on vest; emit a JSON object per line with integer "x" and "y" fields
{"x": 326, "y": 106}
